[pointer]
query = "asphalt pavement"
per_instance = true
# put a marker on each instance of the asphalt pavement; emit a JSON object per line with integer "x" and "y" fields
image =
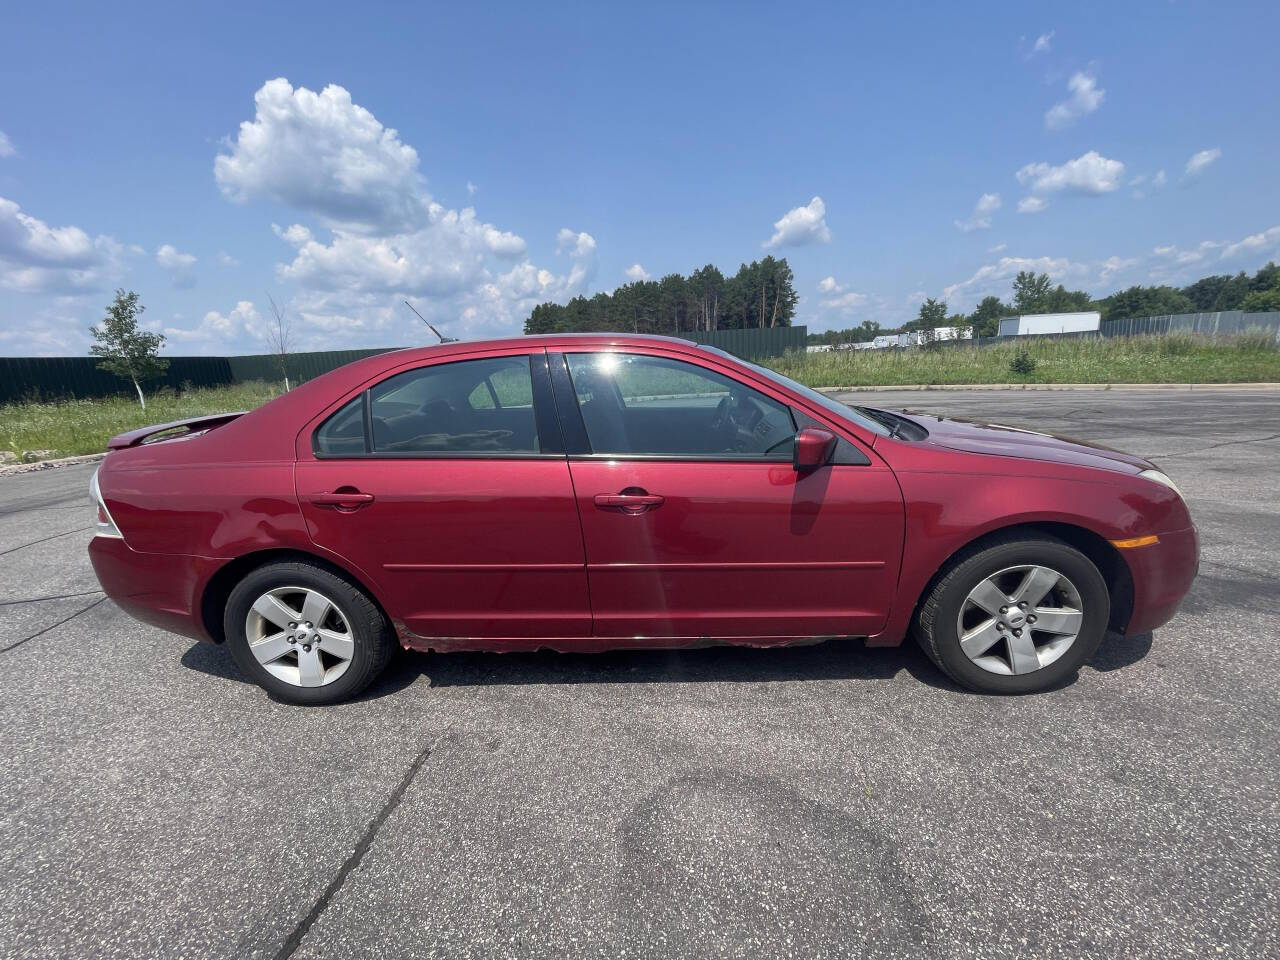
{"x": 814, "y": 802}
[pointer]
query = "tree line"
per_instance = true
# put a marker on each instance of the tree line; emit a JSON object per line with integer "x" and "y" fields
{"x": 1035, "y": 293}
{"x": 761, "y": 294}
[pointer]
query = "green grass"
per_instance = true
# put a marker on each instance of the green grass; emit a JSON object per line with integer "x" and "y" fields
{"x": 73, "y": 427}
{"x": 1171, "y": 359}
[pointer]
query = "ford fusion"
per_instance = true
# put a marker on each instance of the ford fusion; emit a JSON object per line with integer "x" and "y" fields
{"x": 587, "y": 493}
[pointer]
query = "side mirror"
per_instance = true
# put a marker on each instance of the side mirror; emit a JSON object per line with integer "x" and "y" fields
{"x": 813, "y": 448}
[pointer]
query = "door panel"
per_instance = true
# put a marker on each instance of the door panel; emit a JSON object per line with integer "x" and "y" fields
{"x": 459, "y": 548}
{"x": 739, "y": 549}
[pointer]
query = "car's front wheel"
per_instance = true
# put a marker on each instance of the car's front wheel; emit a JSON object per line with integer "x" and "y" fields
{"x": 305, "y": 634}
{"x": 1018, "y": 615}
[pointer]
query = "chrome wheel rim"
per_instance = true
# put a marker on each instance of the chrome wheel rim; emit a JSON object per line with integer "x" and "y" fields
{"x": 300, "y": 636}
{"x": 1020, "y": 619}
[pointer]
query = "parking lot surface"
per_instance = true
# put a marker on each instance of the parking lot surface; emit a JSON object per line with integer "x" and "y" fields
{"x": 811, "y": 802}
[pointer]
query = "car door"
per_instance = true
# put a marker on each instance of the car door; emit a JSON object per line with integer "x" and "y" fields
{"x": 695, "y": 522}
{"x": 447, "y": 484}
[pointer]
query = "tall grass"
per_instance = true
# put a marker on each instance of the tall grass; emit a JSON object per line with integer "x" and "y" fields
{"x": 65, "y": 428}
{"x": 1176, "y": 358}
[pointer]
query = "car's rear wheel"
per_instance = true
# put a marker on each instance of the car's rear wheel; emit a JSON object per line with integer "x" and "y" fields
{"x": 1015, "y": 616}
{"x": 305, "y": 634}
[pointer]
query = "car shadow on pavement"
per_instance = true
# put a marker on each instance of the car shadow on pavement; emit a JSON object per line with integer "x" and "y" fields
{"x": 840, "y": 659}
{"x": 1117, "y": 651}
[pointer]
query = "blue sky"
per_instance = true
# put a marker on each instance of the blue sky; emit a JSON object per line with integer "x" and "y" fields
{"x": 478, "y": 159}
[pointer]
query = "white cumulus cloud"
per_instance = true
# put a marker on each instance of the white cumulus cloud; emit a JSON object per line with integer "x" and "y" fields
{"x": 1173, "y": 254}
{"x": 994, "y": 278}
{"x": 801, "y": 226}
{"x": 829, "y": 285}
{"x": 1084, "y": 97}
{"x": 980, "y": 219}
{"x": 1032, "y": 204}
{"x": 1202, "y": 161}
{"x": 323, "y": 154}
{"x": 38, "y": 258}
{"x": 7, "y": 149}
{"x": 636, "y": 273}
{"x": 1043, "y": 43}
{"x": 1089, "y": 173}
{"x": 371, "y": 234}
{"x": 1253, "y": 243}
{"x": 1114, "y": 265}
{"x": 846, "y": 301}
{"x": 217, "y": 331}
{"x": 169, "y": 257}
{"x": 576, "y": 244}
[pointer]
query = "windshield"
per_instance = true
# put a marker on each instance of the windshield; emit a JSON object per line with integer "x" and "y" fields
{"x": 835, "y": 407}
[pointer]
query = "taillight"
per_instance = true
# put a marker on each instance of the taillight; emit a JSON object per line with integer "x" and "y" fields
{"x": 103, "y": 526}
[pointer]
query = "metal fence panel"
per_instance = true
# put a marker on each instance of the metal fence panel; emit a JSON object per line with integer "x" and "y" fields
{"x": 752, "y": 343}
{"x": 301, "y": 366}
{"x": 49, "y": 378}
{"x": 1208, "y": 324}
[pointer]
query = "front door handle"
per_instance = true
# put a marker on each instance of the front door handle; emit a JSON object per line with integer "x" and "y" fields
{"x": 346, "y": 500}
{"x": 632, "y": 503}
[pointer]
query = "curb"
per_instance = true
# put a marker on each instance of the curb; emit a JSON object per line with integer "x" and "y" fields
{"x": 1053, "y": 386}
{"x": 17, "y": 468}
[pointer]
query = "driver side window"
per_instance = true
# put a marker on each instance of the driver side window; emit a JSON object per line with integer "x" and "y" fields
{"x": 639, "y": 405}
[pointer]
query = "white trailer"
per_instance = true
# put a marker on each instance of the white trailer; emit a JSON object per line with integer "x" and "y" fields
{"x": 1042, "y": 323}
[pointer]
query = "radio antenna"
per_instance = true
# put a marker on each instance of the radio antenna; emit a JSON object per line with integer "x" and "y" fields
{"x": 443, "y": 338}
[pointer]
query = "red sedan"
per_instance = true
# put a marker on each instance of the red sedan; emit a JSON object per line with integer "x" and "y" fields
{"x": 600, "y": 492}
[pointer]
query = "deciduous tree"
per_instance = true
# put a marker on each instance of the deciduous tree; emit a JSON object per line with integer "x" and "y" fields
{"x": 125, "y": 350}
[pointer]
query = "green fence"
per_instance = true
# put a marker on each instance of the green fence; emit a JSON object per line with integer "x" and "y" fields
{"x": 301, "y": 366}
{"x": 752, "y": 343}
{"x": 48, "y": 378}
{"x": 54, "y": 378}
{"x": 23, "y": 378}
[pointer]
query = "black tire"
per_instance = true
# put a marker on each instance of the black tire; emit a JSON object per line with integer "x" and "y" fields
{"x": 374, "y": 640}
{"x": 936, "y": 626}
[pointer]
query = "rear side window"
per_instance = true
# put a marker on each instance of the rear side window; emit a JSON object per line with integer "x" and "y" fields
{"x": 342, "y": 435}
{"x": 467, "y": 407}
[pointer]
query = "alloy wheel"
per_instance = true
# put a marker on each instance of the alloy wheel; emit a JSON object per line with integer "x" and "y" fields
{"x": 300, "y": 636}
{"x": 1020, "y": 619}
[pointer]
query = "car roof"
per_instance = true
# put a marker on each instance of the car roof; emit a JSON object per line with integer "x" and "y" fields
{"x": 546, "y": 340}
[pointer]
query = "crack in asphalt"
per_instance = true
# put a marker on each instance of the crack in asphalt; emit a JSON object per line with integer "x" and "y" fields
{"x": 65, "y": 533}
{"x": 1247, "y": 571}
{"x": 56, "y": 596}
{"x": 43, "y": 502}
{"x": 1214, "y": 446}
{"x": 51, "y": 626}
{"x": 295, "y": 938}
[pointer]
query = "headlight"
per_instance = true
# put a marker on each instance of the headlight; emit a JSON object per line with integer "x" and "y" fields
{"x": 1159, "y": 477}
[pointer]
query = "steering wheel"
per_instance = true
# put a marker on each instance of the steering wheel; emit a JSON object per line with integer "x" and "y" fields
{"x": 736, "y": 435}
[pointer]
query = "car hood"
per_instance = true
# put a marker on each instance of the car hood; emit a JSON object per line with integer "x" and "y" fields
{"x": 973, "y": 436}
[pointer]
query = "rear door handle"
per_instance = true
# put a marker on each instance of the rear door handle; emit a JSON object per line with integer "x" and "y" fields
{"x": 632, "y": 503}
{"x": 342, "y": 499}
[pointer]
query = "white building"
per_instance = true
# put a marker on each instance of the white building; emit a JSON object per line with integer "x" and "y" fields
{"x": 953, "y": 333}
{"x": 1041, "y": 323}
